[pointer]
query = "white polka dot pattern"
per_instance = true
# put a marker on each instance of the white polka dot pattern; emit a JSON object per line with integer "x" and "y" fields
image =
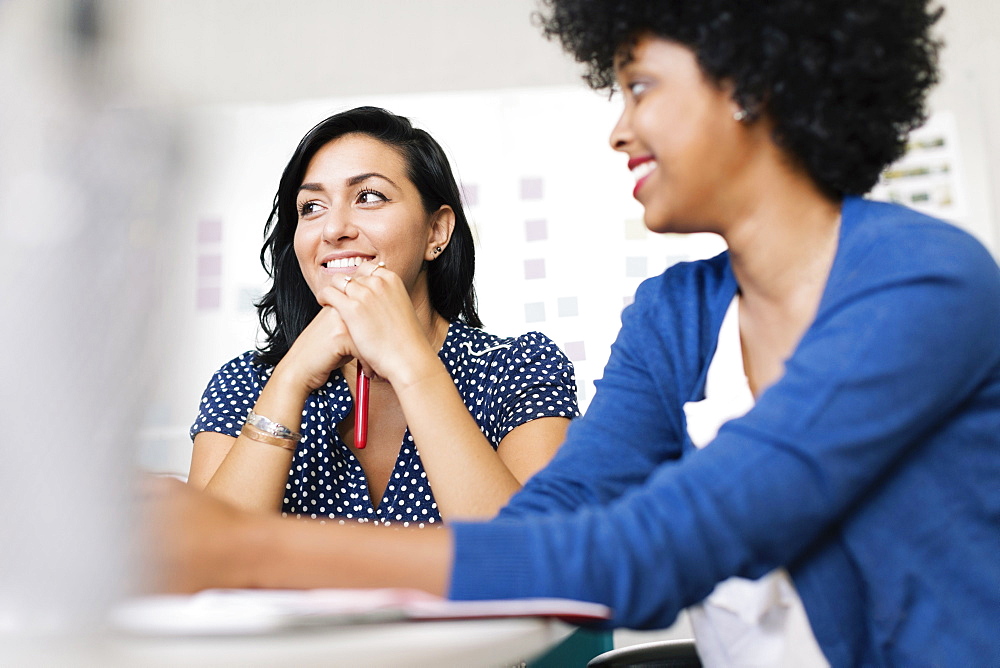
{"x": 504, "y": 383}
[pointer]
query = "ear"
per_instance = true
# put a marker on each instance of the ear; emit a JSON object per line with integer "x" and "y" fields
{"x": 439, "y": 234}
{"x": 728, "y": 88}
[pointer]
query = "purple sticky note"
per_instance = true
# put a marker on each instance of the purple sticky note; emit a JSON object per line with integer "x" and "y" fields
{"x": 209, "y": 265}
{"x": 209, "y": 231}
{"x": 531, "y": 187}
{"x": 575, "y": 351}
{"x": 534, "y": 268}
{"x": 209, "y": 298}
{"x": 536, "y": 230}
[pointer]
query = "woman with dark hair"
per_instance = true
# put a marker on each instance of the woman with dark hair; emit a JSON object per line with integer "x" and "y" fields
{"x": 799, "y": 439}
{"x": 372, "y": 259}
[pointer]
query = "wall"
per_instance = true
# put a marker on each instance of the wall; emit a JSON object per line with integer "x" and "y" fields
{"x": 252, "y": 77}
{"x": 970, "y": 89}
{"x": 265, "y": 51}
{"x": 242, "y": 80}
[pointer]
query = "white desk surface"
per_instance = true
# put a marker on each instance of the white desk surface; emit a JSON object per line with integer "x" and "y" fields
{"x": 460, "y": 643}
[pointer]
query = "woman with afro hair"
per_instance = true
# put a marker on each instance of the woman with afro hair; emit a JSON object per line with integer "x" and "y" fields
{"x": 837, "y": 504}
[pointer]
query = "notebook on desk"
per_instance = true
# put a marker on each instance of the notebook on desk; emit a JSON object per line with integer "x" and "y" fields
{"x": 260, "y": 611}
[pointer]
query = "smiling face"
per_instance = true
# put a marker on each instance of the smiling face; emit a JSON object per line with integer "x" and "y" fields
{"x": 357, "y": 204}
{"x": 685, "y": 149}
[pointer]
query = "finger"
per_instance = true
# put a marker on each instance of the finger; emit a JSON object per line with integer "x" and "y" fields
{"x": 332, "y": 296}
{"x": 381, "y": 277}
{"x": 354, "y": 285}
{"x": 370, "y": 269}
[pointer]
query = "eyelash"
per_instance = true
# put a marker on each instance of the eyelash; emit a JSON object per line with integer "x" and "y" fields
{"x": 369, "y": 191}
{"x": 302, "y": 209}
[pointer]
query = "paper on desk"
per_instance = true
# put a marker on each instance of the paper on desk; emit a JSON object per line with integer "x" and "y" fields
{"x": 260, "y": 611}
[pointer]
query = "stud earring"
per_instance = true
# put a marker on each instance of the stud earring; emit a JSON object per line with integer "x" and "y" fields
{"x": 437, "y": 249}
{"x": 741, "y": 115}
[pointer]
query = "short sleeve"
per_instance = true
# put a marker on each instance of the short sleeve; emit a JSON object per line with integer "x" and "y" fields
{"x": 537, "y": 381}
{"x": 230, "y": 394}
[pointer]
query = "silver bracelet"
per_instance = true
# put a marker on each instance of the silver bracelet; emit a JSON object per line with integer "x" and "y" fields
{"x": 265, "y": 425}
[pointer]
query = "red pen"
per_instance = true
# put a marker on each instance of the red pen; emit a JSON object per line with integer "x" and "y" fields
{"x": 361, "y": 410}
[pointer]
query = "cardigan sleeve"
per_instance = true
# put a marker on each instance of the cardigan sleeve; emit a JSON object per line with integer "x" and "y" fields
{"x": 903, "y": 337}
{"x": 634, "y": 422}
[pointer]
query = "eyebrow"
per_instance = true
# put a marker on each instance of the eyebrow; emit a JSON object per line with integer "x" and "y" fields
{"x": 624, "y": 55}
{"x": 351, "y": 181}
{"x": 355, "y": 180}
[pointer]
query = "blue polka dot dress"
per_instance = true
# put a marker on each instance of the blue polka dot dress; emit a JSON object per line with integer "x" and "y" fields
{"x": 504, "y": 383}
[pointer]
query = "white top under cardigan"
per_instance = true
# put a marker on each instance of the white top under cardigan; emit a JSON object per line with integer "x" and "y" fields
{"x": 744, "y": 622}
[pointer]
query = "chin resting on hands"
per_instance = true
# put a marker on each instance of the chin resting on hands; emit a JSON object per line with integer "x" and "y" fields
{"x": 381, "y": 321}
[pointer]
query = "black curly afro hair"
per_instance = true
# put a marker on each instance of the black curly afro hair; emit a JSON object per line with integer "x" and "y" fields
{"x": 844, "y": 81}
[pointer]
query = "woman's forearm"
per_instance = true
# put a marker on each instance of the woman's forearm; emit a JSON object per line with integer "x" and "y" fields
{"x": 198, "y": 543}
{"x": 400, "y": 342}
{"x": 469, "y": 478}
{"x": 306, "y": 554}
{"x": 252, "y": 475}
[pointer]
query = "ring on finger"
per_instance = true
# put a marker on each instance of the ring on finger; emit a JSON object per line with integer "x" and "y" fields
{"x": 347, "y": 279}
{"x": 380, "y": 265}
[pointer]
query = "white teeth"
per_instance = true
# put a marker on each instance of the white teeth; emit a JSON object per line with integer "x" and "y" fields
{"x": 343, "y": 262}
{"x": 642, "y": 169}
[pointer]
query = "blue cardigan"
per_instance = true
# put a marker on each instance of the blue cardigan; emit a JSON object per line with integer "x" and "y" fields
{"x": 870, "y": 470}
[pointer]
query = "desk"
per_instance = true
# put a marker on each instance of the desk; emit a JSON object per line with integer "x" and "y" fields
{"x": 459, "y": 643}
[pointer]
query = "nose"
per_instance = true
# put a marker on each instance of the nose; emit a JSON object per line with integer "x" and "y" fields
{"x": 339, "y": 226}
{"x": 621, "y": 134}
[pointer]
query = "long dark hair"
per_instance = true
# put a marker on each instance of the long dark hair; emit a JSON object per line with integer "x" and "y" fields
{"x": 289, "y": 306}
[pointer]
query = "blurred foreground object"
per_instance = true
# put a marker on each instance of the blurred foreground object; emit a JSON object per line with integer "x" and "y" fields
{"x": 81, "y": 184}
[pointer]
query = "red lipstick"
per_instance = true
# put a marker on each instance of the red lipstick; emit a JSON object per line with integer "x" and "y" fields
{"x": 632, "y": 164}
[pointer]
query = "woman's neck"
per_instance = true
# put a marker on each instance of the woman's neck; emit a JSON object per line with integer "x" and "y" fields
{"x": 783, "y": 240}
{"x": 434, "y": 325}
{"x": 781, "y": 250}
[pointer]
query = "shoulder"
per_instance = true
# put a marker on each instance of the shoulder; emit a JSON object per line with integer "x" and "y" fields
{"x": 884, "y": 242}
{"x": 515, "y": 376}
{"x": 896, "y": 231}
{"x": 231, "y": 391}
{"x": 536, "y": 344}
{"x": 687, "y": 301}
{"x": 673, "y": 323}
{"x": 243, "y": 364}
{"x": 479, "y": 344}
{"x": 243, "y": 370}
{"x": 687, "y": 286}
{"x": 461, "y": 336}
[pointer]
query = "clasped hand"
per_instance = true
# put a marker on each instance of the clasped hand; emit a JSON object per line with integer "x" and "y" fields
{"x": 370, "y": 318}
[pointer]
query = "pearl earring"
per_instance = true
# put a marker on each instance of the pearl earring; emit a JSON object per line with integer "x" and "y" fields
{"x": 741, "y": 115}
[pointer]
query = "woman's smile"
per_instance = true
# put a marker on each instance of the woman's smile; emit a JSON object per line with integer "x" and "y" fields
{"x": 641, "y": 167}
{"x": 357, "y": 205}
{"x": 685, "y": 150}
